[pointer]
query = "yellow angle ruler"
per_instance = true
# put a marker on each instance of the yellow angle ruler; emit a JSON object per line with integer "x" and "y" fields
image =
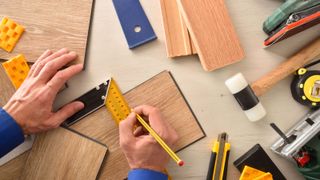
{"x": 115, "y": 103}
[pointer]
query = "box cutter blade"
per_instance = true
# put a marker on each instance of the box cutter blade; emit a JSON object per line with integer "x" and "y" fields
{"x": 92, "y": 100}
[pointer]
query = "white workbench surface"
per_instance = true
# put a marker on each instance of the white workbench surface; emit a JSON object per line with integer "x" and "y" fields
{"x": 213, "y": 105}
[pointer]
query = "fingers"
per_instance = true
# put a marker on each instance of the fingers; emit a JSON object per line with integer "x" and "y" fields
{"x": 156, "y": 121}
{"x": 46, "y": 54}
{"x": 43, "y": 56}
{"x": 144, "y": 110}
{"x": 153, "y": 114}
{"x": 52, "y": 67}
{"x": 139, "y": 131}
{"x": 67, "y": 111}
{"x": 126, "y": 128}
{"x": 62, "y": 76}
{"x": 43, "y": 60}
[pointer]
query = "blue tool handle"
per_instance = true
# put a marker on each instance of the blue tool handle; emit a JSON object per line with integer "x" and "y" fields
{"x": 134, "y": 22}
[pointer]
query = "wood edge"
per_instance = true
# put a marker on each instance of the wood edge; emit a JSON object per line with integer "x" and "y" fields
{"x": 205, "y": 66}
{"x": 88, "y": 35}
{"x": 192, "y": 112}
{"x": 166, "y": 30}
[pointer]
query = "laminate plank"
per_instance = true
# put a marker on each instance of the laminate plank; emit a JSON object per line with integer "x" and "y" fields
{"x": 212, "y": 32}
{"x": 12, "y": 170}
{"x": 63, "y": 154}
{"x": 159, "y": 91}
{"x": 49, "y": 24}
{"x": 6, "y": 87}
{"x": 178, "y": 41}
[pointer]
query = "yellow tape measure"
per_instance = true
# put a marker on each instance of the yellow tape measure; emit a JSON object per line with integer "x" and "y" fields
{"x": 116, "y": 104}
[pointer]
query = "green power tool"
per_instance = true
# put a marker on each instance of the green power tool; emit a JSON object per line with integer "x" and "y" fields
{"x": 301, "y": 145}
{"x": 284, "y": 11}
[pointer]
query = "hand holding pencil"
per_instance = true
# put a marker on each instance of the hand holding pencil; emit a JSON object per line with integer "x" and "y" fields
{"x": 140, "y": 147}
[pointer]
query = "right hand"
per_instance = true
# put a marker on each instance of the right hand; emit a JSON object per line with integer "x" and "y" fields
{"x": 140, "y": 148}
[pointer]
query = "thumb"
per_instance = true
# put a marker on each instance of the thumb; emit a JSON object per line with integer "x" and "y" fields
{"x": 126, "y": 126}
{"x": 67, "y": 111}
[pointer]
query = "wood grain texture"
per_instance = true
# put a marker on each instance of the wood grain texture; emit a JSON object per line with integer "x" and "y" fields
{"x": 12, "y": 170}
{"x": 49, "y": 24}
{"x": 63, "y": 154}
{"x": 160, "y": 91}
{"x": 6, "y": 87}
{"x": 178, "y": 41}
{"x": 286, "y": 68}
{"x": 212, "y": 32}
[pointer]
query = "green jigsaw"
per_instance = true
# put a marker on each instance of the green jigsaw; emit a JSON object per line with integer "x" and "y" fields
{"x": 284, "y": 11}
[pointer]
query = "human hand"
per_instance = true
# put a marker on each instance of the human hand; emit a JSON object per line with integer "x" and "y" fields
{"x": 31, "y": 105}
{"x": 140, "y": 148}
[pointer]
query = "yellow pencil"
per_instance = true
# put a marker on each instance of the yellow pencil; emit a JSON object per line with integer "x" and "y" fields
{"x": 160, "y": 141}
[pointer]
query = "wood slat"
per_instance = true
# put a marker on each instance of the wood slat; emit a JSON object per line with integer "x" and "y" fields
{"x": 49, "y": 25}
{"x": 63, "y": 154}
{"x": 212, "y": 32}
{"x": 178, "y": 41}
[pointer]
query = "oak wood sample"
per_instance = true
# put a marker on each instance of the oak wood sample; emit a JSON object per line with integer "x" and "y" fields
{"x": 6, "y": 87}
{"x": 160, "y": 91}
{"x": 63, "y": 154}
{"x": 178, "y": 41}
{"x": 12, "y": 170}
{"x": 212, "y": 32}
{"x": 49, "y": 24}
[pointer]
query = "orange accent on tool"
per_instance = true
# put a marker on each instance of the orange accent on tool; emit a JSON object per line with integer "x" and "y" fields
{"x": 291, "y": 26}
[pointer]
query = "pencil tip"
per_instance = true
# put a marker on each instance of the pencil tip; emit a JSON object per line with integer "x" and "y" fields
{"x": 180, "y": 163}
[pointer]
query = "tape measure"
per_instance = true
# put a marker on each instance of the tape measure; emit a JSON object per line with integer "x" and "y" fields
{"x": 305, "y": 86}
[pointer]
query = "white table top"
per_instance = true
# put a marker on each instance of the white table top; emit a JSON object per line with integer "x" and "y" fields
{"x": 215, "y": 108}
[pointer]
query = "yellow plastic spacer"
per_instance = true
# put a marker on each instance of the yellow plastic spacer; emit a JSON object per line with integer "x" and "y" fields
{"x": 250, "y": 173}
{"x": 17, "y": 70}
{"x": 10, "y": 33}
{"x": 266, "y": 176}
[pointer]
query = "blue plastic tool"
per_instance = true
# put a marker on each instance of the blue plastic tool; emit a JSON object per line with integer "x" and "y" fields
{"x": 134, "y": 22}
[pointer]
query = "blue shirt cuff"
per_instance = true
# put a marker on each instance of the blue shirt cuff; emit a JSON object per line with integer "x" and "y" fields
{"x": 141, "y": 174}
{"x": 11, "y": 135}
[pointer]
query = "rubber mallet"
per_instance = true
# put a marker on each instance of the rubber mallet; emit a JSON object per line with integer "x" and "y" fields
{"x": 247, "y": 96}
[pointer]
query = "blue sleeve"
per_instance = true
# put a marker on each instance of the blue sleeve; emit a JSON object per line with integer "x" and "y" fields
{"x": 11, "y": 134}
{"x": 145, "y": 174}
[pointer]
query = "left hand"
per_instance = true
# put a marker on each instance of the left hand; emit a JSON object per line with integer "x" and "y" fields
{"x": 31, "y": 105}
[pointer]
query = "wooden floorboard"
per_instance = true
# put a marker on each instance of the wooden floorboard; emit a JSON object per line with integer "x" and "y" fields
{"x": 178, "y": 41}
{"x": 63, "y": 154}
{"x": 212, "y": 32}
{"x": 161, "y": 92}
{"x": 49, "y": 25}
